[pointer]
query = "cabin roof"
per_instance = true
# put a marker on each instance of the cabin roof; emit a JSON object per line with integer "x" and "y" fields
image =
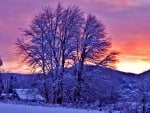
{"x": 28, "y": 94}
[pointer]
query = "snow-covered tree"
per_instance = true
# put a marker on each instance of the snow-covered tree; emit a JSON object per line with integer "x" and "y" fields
{"x": 13, "y": 84}
{"x": 93, "y": 48}
{"x": 1, "y": 85}
{"x": 49, "y": 43}
{"x": 60, "y": 38}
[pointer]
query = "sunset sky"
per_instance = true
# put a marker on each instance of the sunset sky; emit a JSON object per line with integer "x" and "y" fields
{"x": 127, "y": 23}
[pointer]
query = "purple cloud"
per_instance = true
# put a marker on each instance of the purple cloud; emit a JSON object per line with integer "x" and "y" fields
{"x": 126, "y": 21}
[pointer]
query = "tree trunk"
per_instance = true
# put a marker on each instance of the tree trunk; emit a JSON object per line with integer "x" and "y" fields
{"x": 79, "y": 83}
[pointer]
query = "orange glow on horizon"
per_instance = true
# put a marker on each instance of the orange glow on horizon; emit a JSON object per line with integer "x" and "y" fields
{"x": 127, "y": 23}
{"x": 15, "y": 67}
{"x": 132, "y": 64}
{"x": 135, "y": 55}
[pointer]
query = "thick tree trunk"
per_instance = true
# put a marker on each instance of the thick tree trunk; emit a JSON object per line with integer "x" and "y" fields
{"x": 45, "y": 81}
{"x": 78, "y": 90}
{"x": 46, "y": 95}
{"x": 60, "y": 89}
{"x": 60, "y": 78}
{"x": 46, "y": 89}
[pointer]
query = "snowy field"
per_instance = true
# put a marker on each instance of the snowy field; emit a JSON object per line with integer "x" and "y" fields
{"x": 12, "y": 108}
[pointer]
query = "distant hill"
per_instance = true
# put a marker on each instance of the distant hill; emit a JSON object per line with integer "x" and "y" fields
{"x": 102, "y": 82}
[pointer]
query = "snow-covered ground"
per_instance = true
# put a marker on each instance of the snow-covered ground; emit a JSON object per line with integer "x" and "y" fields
{"x": 12, "y": 108}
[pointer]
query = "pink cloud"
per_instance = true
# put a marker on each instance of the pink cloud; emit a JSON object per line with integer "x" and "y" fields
{"x": 127, "y": 21}
{"x": 125, "y": 3}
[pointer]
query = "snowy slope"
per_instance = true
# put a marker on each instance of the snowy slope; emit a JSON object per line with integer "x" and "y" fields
{"x": 10, "y": 108}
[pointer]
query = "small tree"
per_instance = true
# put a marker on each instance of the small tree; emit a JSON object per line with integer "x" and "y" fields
{"x": 1, "y": 62}
{"x": 13, "y": 84}
{"x": 1, "y": 84}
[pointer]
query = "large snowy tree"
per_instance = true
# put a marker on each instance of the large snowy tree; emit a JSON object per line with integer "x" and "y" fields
{"x": 93, "y": 48}
{"x": 60, "y": 38}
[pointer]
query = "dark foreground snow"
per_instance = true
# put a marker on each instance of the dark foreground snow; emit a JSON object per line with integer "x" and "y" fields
{"x": 12, "y": 108}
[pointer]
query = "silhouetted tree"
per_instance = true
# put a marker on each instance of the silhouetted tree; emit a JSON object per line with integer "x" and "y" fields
{"x": 49, "y": 43}
{"x": 60, "y": 38}
{"x": 1, "y": 83}
{"x": 93, "y": 48}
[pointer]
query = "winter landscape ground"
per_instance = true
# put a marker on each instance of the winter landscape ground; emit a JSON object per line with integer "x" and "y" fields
{"x": 12, "y": 108}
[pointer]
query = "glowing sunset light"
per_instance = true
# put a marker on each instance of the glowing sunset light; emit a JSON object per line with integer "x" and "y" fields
{"x": 132, "y": 64}
{"x": 127, "y": 23}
